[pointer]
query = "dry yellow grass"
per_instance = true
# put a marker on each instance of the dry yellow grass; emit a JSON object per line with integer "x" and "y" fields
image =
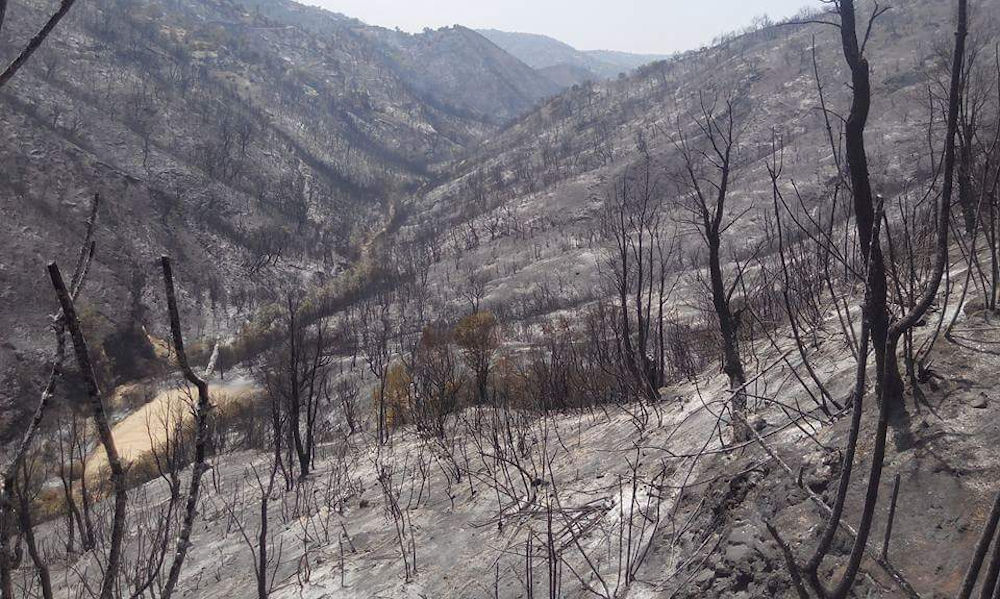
{"x": 147, "y": 427}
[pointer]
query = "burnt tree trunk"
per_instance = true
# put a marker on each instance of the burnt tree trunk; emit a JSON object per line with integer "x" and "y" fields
{"x": 200, "y": 432}
{"x": 709, "y": 209}
{"x": 732, "y": 364}
{"x": 885, "y": 334}
{"x": 100, "y": 416}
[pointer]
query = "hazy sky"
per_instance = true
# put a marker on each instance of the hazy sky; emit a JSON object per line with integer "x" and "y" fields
{"x": 646, "y": 26}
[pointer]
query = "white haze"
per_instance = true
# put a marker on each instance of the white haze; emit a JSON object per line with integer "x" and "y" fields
{"x": 642, "y": 26}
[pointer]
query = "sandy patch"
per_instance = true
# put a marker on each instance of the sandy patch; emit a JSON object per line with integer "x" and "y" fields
{"x": 146, "y": 428}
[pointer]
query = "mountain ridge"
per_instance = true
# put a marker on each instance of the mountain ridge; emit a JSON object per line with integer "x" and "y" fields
{"x": 544, "y": 52}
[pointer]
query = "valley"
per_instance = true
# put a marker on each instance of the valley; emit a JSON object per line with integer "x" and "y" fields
{"x": 350, "y": 311}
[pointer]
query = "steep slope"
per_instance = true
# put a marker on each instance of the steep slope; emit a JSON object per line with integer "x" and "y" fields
{"x": 458, "y": 67}
{"x": 256, "y": 151}
{"x": 543, "y": 52}
{"x": 453, "y": 68}
{"x": 529, "y": 199}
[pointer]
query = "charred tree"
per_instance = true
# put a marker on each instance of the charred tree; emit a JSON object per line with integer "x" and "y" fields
{"x": 707, "y": 176}
{"x": 200, "y": 431}
{"x": 35, "y": 42}
{"x": 102, "y": 423}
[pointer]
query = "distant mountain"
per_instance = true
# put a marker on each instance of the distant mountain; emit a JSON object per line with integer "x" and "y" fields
{"x": 567, "y": 75}
{"x": 459, "y": 68}
{"x": 559, "y": 60}
{"x": 452, "y": 68}
{"x": 624, "y": 60}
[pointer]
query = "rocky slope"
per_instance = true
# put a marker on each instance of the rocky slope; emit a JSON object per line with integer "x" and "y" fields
{"x": 606, "y": 502}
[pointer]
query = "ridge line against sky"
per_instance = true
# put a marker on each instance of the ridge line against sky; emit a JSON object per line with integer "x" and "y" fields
{"x": 639, "y": 26}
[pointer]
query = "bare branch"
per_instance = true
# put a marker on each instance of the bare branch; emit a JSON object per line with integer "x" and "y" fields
{"x": 35, "y": 42}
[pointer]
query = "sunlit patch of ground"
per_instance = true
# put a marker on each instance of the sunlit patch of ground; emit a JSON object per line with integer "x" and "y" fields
{"x": 147, "y": 427}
